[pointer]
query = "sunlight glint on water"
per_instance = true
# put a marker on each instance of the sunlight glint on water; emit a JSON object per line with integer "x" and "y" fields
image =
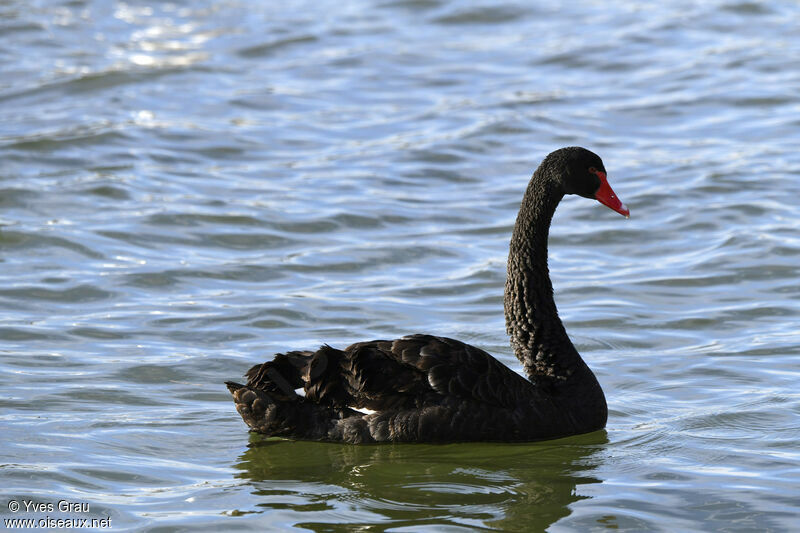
{"x": 188, "y": 188}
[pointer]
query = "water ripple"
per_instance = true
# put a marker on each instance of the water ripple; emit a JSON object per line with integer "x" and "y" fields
{"x": 187, "y": 189}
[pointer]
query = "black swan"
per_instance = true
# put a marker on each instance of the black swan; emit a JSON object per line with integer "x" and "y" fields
{"x": 423, "y": 388}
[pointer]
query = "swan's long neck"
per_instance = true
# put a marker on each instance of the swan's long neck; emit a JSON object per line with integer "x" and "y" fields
{"x": 538, "y": 337}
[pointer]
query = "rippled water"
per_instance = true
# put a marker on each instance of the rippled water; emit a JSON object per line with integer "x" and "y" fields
{"x": 189, "y": 187}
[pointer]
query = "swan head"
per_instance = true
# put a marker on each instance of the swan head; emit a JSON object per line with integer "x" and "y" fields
{"x": 582, "y": 172}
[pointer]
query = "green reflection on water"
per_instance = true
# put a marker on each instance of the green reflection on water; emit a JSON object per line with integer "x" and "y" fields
{"x": 508, "y": 487}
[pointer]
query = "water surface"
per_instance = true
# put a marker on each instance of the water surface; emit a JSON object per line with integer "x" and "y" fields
{"x": 187, "y": 188}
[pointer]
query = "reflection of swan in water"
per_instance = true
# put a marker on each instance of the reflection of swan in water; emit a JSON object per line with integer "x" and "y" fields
{"x": 506, "y": 487}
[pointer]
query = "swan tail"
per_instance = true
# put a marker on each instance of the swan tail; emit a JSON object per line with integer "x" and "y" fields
{"x": 267, "y": 413}
{"x": 281, "y": 376}
{"x": 269, "y": 404}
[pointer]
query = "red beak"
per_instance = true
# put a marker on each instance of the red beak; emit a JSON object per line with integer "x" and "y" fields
{"x": 605, "y": 195}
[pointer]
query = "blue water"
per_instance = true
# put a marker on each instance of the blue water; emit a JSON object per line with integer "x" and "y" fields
{"x": 187, "y": 188}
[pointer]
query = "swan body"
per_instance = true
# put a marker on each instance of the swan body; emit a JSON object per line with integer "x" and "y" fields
{"x": 423, "y": 388}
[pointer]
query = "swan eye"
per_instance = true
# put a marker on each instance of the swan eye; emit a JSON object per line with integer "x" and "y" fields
{"x": 593, "y": 170}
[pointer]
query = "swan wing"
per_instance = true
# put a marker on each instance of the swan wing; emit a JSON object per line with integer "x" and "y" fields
{"x": 431, "y": 367}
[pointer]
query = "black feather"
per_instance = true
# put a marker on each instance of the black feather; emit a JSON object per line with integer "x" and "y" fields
{"x": 435, "y": 389}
